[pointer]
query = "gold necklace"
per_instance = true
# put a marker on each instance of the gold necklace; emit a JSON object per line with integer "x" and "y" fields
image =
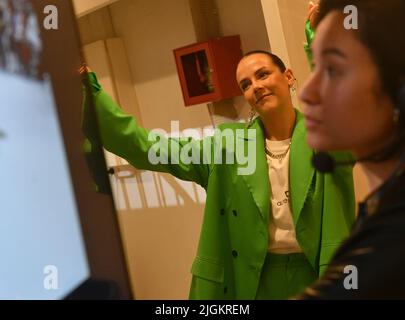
{"x": 280, "y": 156}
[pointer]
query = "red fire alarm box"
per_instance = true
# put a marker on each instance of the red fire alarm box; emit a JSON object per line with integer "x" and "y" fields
{"x": 207, "y": 69}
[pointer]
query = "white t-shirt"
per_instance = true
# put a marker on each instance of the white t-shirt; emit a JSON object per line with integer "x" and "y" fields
{"x": 282, "y": 237}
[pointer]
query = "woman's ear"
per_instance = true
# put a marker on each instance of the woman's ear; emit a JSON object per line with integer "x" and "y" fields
{"x": 290, "y": 77}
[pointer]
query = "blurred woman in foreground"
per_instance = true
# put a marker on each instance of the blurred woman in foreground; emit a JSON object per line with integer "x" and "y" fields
{"x": 355, "y": 101}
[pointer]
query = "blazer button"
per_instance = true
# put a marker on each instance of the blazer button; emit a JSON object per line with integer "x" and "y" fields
{"x": 254, "y": 267}
{"x": 222, "y": 212}
{"x": 225, "y": 290}
{"x": 234, "y": 213}
{"x": 234, "y": 253}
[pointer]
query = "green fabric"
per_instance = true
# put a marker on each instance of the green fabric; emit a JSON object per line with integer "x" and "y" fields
{"x": 233, "y": 247}
{"x": 92, "y": 147}
{"x": 284, "y": 276}
{"x": 310, "y": 35}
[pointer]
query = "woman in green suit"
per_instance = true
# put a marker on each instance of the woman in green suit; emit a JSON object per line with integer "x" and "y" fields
{"x": 268, "y": 233}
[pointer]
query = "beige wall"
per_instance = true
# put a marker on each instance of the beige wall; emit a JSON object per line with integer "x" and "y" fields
{"x": 246, "y": 19}
{"x": 151, "y": 30}
{"x": 83, "y": 7}
{"x": 96, "y": 26}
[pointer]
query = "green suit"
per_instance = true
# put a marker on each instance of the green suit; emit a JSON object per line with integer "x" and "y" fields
{"x": 234, "y": 237}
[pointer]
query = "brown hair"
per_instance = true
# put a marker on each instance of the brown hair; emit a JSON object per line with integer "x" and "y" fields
{"x": 381, "y": 25}
{"x": 276, "y": 60}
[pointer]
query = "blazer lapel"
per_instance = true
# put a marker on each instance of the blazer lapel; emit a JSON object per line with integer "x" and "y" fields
{"x": 258, "y": 181}
{"x": 301, "y": 169}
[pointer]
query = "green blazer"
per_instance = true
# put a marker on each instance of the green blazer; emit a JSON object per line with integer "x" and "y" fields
{"x": 234, "y": 236}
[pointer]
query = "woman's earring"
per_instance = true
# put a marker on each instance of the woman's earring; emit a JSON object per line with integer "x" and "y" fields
{"x": 293, "y": 87}
{"x": 396, "y": 115}
{"x": 251, "y": 117}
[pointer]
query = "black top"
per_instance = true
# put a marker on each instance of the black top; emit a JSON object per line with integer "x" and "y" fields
{"x": 371, "y": 262}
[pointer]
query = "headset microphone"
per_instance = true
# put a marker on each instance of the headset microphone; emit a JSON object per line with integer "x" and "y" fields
{"x": 324, "y": 162}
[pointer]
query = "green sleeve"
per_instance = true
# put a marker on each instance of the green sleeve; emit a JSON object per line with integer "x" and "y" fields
{"x": 310, "y": 34}
{"x": 121, "y": 135}
{"x": 93, "y": 149}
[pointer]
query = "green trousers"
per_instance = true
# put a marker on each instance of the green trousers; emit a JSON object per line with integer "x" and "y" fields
{"x": 284, "y": 276}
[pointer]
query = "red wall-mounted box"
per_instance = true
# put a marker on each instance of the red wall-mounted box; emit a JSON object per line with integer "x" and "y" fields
{"x": 207, "y": 69}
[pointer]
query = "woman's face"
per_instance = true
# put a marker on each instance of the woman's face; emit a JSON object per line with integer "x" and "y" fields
{"x": 344, "y": 106}
{"x": 262, "y": 83}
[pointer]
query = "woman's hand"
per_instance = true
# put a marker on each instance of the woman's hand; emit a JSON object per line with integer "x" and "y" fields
{"x": 313, "y": 11}
{"x": 84, "y": 69}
